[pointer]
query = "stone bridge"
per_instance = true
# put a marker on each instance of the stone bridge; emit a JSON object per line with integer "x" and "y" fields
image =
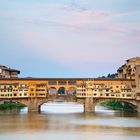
{"x": 35, "y": 103}
{"x": 33, "y": 92}
{"x": 89, "y": 103}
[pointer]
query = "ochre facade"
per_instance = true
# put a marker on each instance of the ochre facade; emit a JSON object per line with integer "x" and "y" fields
{"x": 128, "y": 70}
{"x": 33, "y": 92}
{"x": 89, "y": 91}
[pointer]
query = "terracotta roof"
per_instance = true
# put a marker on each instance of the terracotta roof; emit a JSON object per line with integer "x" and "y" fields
{"x": 9, "y": 69}
{"x": 134, "y": 59}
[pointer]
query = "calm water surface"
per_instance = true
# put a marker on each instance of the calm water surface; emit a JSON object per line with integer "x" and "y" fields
{"x": 68, "y": 122}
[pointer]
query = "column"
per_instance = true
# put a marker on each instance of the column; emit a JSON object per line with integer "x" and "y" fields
{"x": 137, "y": 80}
{"x": 138, "y": 106}
{"x": 33, "y": 105}
{"x": 88, "y": 105}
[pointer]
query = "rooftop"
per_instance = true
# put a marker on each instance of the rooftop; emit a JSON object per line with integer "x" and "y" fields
{"x": 134, "y": 59}
{"x": 9, "y": 69}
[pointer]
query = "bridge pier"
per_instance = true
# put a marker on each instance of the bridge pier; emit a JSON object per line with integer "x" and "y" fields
{"x": 88, "y": 105}
{"x": 33, "y": 105}
{"x": 138, "y": 106}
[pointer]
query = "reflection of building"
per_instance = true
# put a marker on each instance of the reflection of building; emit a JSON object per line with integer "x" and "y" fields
{"x": 6, "y": 72}
{"x": 129, "y": 68}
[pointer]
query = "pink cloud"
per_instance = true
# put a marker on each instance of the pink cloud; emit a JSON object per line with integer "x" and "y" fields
{"x": 85, "y": 17}
{"x": 95, "y": 37}
{"x": 133, "y": 37}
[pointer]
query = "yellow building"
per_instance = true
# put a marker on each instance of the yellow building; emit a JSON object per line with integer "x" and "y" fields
{"x": 111, "y": 88}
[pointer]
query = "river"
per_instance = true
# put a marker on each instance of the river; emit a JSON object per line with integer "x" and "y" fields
{"x": 61, "y": 121}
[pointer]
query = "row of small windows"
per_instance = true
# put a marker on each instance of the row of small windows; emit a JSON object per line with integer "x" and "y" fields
{"x": 83, "y": 90}
{"x": 40, "y": 90}
{"x": 40, "y": 86}
{"x": 41, "y": 94}
{"x": 25, "y": 94}
{"x": 2, "y": 90}
{"x": 97, "y": 86}
{"x": 62, "y": 82}
{"x": 123, "y": 95}
{"x": 8, "y": 95}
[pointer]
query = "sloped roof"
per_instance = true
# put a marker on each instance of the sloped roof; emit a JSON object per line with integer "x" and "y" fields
{"x": 134, "y": 59}
{"x": 9, "y": 69}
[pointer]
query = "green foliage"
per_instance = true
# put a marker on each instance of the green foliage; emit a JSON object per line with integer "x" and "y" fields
{"x": 116, "y": 105}
{"x": 10, "y": 106}
{"x": 109, "y": 76}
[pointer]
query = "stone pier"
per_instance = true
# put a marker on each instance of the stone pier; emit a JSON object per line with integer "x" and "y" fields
{"x": 35, "y": 103}
{"x": 88, "y": 105}
{"x": 138, "y": 106}
{"x": 137, "y": 78}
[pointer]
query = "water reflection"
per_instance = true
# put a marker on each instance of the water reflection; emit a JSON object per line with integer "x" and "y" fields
{"x": 62, "y": 107}
{"x": 59, "y": 122}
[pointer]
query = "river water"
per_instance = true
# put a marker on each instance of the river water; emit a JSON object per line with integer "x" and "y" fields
{"x": 61, "y": 121}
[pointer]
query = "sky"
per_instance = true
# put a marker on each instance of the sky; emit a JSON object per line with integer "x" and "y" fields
{"x": 68, "y": 38}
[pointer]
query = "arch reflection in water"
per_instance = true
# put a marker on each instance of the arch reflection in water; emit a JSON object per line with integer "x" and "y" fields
{"x": 62, "y": 107}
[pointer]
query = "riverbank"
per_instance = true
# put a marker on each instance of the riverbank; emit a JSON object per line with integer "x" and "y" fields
{"x": 10, "y": 106}
{"x": 116, "y": 105}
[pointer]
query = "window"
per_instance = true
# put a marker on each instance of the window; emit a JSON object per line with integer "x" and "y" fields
{"x": 72, "y": 82}
{"x": 52, "y": 83}
{"x": 62, "y": 82}
{"x": 107, "y": 90}
{"x": 129, "y": 95}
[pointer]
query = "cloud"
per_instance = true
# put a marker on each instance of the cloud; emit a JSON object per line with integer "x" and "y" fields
{"x": 74, "y": 50}
{"x": 135, "y": 36}
{"x": 75, "y": 37}
{"x": 85, "y": 17}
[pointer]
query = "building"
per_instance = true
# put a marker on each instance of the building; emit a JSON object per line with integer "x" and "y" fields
{"x": 6, "y": 72}
{"x": 127, "y": 85}
{"x": 128, "y": 70}
{"x": 103, "y": 88}
{"x": 95, "y": 87}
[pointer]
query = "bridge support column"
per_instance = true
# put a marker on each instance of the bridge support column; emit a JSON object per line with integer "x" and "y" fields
{"x": 33, "y": 105}
{"x": 138, "y": 106}
{"x": 88, "y": 105}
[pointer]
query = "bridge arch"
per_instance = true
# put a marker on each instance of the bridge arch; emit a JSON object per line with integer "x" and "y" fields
{"x": 52, "y": 91}
{"x": 131, "y": 102}
{"x": 71, "y": 91}
{"x": 61, "y": 91}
